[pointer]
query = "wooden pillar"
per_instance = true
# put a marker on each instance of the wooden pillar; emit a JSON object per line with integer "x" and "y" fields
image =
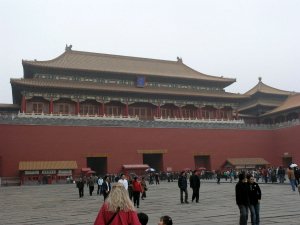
{"x": 77, "y": 107}
{"x": 103, "y": 109}
{"x": 200, "y": 112}
{"x": 126, "y": 109}
{"x": 158, "y": 111}
{"x": 23, "y": 106}
{"x": 99, "y": 109}
{"x": 180, "y": 112}
{"x": 218, "y": 113}
{"x": 51, "y": 106}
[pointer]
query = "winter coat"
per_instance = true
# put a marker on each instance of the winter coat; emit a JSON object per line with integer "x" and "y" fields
{"x": 241, "y": 193}
{"x": 182, "y": 182}
{"x": 254, "y": 193}
{"x": 122, "y": 217}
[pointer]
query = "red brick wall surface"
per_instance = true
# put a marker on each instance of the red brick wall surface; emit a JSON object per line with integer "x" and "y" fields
{"x": 32, "y": 143}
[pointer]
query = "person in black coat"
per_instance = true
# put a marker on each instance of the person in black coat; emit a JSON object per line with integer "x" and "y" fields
{"x": 182, "y": 184}
{"x": 195, "y": 185}
{"x": 242, "y": 198}
{"x": 106, "y": 187}
{"x": 80, "y": 186}
{"x": 254, "y": 198}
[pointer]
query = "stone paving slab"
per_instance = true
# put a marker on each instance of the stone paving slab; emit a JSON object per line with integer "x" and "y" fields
{"x": 60, "y": 205}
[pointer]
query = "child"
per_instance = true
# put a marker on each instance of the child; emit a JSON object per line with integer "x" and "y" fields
{"x": 143, "y": 218}
{"x": 165, "y": 220}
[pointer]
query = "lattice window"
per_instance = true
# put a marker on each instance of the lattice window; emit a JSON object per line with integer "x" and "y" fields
{"x": 37, "y": 107}
{"x": 63, "y": 108}
{"x": 88, "y": 109}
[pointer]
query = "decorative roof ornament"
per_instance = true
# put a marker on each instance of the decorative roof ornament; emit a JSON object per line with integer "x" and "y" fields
{"x": 179, "y": 59}
{"x": 259, "y": 79}
{"x": 68, "y": 47}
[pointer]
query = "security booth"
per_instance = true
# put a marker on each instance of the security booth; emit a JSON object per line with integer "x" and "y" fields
{"x": 46, "y": 172}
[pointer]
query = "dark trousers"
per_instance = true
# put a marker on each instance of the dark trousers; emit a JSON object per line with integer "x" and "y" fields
{"x": 99, "y": 190}
{"x": 91, "y": 188}
{"x": 185, "y": 195}
{"x": 254, "y": 210}
{"x": 136, "y": 198}
{"x": 144, "y": 195}
{"x": 195, "y": 194}
{"x": 243, "y": 214}
{"x": 105, "y": 195}
{"x": 80, "y": 192}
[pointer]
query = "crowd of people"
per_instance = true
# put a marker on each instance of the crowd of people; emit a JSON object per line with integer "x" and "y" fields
{"x": 123, "y": 197}
{"x": 118, "y": 207}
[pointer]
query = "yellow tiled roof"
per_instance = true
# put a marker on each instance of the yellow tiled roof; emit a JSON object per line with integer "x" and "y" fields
{"x": 291, "y": 102}
{"x": 89, "y": 61}
{"x": 47, "y": 165}
{"x": 75, "y": 85}
{"x": 263, "y": 88}
{"x": 247, "y": 161}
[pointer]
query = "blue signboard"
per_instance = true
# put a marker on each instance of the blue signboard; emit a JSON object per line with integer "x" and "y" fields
{"x": 140, "y": 81}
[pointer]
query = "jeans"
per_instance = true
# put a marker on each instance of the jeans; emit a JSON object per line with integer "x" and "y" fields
{"x": 293, "y": 184}
{"x": 254, "y": 209}
{"x": 185, "y": 193}
{"x": 243, "y": 214}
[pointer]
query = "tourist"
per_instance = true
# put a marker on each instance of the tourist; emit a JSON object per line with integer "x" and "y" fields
{"x": 123, "y": 181}
{"x": 254, "y": 199}
{"x": 242, "y": 198}
{"x": 291, "y": 176}
{"x": 144, "y": 188}
{"x": 91, "y": 183}
{"x": 106, "y": 187}
{"x": 182, "y": 184}
{"x": 130, "y": 190}
{"x": 137, "y": 189}
{"x": 80, "y": 186}
{"x": 195, "y": 185}
{"x": 156, "y": 179}
{"x": 143, "y": 218}
{"x": 165, "y": 220}
{"x": 117, "y": 209}
{"x": 99, "y": 182}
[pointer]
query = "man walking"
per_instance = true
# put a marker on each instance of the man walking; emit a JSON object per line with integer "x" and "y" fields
{"x": 195, "y": 185}
{"x": 182, "y": 184}
{"x": 242, "y": 198}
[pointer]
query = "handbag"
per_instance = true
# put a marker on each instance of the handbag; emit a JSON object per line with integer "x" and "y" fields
{"x": 112, "y": 218}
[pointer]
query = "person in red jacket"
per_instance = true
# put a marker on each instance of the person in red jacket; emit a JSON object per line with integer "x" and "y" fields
{"x": 117, "y": 208}
{"x": 137, "y": 189}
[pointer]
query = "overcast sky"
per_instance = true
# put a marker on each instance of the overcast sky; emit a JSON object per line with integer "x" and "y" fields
{"x": 241, "y": 39}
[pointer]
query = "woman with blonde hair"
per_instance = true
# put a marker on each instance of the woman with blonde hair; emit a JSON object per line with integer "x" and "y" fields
{"x": 117, "y": 208}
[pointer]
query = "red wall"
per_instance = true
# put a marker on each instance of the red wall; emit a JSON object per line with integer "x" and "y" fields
{"x": 55, "y": 143}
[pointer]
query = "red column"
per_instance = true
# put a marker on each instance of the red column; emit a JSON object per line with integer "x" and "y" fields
{"x": 158, "y": 111}
{"x": 77, "y": 107}
{"x": 180, "y": 112}
{"x": 237, "y": 114}
{"x": 23, "y": 105}
{"x": 51, "y": 106}
{"x": 200, "y": 112}
{"x": 103, "y": 109}
{"x": 99, "y": 109}
{"x": 126, "y": 109}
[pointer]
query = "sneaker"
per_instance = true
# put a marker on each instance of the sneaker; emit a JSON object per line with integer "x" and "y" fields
{"x": 187, "y": 202}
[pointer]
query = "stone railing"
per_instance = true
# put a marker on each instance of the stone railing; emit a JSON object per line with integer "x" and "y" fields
{"x": 80, "y": 117}
{"x": 115, "y": 121}
{"x": 196, "y": 120}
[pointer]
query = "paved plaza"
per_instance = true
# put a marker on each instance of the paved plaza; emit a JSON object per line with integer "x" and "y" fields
{"x": 60, "y": 204}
